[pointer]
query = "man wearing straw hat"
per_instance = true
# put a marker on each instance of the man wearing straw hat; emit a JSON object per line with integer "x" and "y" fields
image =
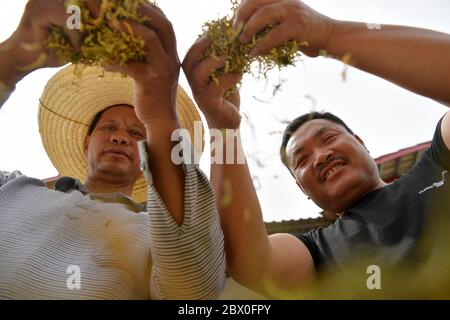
{"x": 94, "y": 240}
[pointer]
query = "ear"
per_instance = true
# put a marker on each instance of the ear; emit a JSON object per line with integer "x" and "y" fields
{"x": 361, "y": 142}
{"x": 86, "y": 145}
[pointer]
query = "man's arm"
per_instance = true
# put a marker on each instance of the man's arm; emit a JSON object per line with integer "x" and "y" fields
{"x": 416, "y": 59}
{"x": 156, "y": 84}
{"x": 9, "y": 75}
{"x": 185, "y": 235}
{"x": 188, "y": 259}
{"x": 255, "y": 260}
{"x": 24, "y": 51}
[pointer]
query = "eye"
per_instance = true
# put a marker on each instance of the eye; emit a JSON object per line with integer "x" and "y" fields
{"x": 301, "y": 161}
{"x": 136, "y": 133}
{"x": 329, "y": 138}
{"x": 108, "y": 128}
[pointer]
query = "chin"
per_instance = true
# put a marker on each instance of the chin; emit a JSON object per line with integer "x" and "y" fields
{"x": 115, "y": 170}
{"x": 345, "y": 194}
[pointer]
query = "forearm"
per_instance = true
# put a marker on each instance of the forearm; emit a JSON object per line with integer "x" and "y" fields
{"x": 416, "y": 59}
{"x": 168, "y": 178}
{"x": 188, "y": 259}
{"x": 9, "y": 74}
{"x": 246, "y": 241}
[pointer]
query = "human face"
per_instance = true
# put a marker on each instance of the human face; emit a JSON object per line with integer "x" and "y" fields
{"x": 331, "y": 166}
{"x": 111, "y": 150}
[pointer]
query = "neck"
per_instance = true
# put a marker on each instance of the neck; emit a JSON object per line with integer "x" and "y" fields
{"x": 380, "y": 185}
{"x": 339, "y": 211}
{"x": 96, "y": 185}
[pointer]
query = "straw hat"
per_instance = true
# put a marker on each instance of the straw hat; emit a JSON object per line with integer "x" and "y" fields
{"x": 69, "y": 103}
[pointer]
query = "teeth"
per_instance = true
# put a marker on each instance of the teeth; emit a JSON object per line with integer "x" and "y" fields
{"x": 333, "y": 170}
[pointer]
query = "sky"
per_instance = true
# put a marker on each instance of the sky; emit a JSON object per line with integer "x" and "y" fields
{"x": 385, "y": 116}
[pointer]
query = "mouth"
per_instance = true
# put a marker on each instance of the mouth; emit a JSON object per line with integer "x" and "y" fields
{"x": 117, "y": 152}
{"x": 330, "y": 170}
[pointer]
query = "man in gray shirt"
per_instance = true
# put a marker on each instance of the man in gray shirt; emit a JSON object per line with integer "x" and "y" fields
{"x": 95, "y": 240}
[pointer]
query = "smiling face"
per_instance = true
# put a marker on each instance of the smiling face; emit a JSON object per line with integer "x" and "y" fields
{"x": 111, "y": 149}
{"x": 331, "y": 166}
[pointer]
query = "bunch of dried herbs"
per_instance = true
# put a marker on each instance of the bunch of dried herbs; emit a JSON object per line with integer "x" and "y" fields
{"x": 101, "y": 44}
{"x": 225, "y": 42}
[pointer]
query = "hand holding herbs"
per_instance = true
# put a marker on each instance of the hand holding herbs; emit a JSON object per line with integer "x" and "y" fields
{"x": 102, "y": 43}
{"x": 270, "y": 33}
{"x": 221, "y": 110}
{"x": 26, "y": 46}
{"x": 156, "y": 74}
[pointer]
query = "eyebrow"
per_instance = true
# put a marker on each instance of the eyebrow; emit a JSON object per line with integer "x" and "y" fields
{"x": 107, "y": 120}
{"x": 319, "y": 132}
{"x": 135, "y": 125}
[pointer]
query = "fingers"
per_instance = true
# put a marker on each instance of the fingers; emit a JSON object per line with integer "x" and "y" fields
{"x": 159, "y": 23}
{"x": 45, "y": 14}
{"x": 153, "y": 45}
{"x": 275, "y": 38}
{"x": 200, "y": 76}
{"x": 94, "y": 7}
{"x": 194, "y": 54}
{"x": 40, "y": 16}
{"x": 221, "y": 111}
{"x": 226, "y": 82}
{"x": 247, "y": 9}
{"x": 200, "y": 80}
{"x": 161, "y": 64}
{"x": 198, "y": 71}
{"x": 263, "y": 17}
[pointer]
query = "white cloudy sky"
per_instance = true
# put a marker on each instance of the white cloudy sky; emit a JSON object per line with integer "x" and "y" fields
{"x": 387, "y": 117}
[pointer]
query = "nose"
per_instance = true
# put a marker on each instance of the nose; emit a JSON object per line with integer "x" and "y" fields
{"x": 119, "y": 138}
{"x": 322, "y": 157}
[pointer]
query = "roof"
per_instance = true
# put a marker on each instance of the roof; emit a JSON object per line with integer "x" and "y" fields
{"x": 393, "y": 165}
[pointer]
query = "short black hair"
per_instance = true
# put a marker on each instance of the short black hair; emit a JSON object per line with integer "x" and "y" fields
{"x": 299, "y": 121}
{"x": 97, "y": 117}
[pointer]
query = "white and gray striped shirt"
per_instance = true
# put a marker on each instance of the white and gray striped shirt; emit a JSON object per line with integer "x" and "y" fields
{"x": 121, "y": 253}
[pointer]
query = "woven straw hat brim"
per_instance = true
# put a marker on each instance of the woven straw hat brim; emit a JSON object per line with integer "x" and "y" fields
{"x": 70, "y": 102}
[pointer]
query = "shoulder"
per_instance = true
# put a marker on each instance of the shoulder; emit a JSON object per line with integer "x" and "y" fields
{"x": 439, "y": 150}
{"x": 9, "y": 176}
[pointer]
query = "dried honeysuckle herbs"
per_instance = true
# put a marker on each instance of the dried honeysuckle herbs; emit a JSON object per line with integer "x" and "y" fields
{"x": 100, "y": 44}
{"x": 225, "y": 42}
